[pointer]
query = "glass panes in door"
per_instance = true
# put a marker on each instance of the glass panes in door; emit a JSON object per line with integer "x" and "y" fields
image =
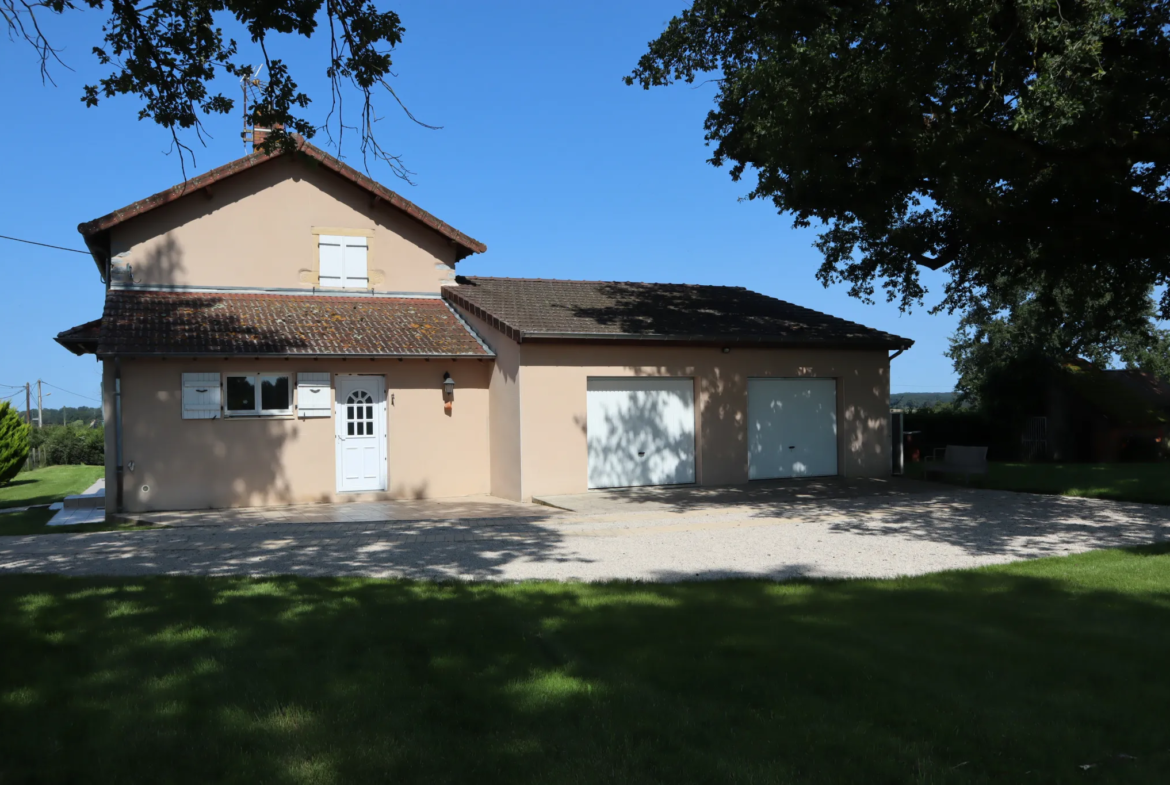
{"x": 359, "y": 414}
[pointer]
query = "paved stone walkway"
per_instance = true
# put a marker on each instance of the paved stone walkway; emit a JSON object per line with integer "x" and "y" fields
{"x": 877, "y": 536}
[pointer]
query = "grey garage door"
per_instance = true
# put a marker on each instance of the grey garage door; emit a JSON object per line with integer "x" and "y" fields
{"x": 792, "y": 428}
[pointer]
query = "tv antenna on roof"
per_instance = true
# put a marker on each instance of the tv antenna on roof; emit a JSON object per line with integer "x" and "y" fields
{"x": 251, "y": 79}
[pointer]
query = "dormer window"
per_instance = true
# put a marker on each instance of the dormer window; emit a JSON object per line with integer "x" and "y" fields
{"x": 343, "y": 261}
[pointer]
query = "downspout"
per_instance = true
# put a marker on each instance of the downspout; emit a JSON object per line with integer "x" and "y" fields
{"x": 118, "y": 473}
{"x": 897, "y": 456}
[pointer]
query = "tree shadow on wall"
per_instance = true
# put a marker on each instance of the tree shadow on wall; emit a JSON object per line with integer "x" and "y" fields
{"x": 181, "y": 463}
{"x": 640, "y": 442}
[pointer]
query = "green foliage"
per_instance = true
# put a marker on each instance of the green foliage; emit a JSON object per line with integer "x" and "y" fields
{"x": 1006, "y": 349}
{"x": 912, "y": 400}
{"x": 1021, "y": 145}
{"x": 72, "y": 444}
{"x": 943, "y": 425}
{"x": 1152, "y": 357}
{"x": 169, "y": 54}
{"x": 14, "y": 442}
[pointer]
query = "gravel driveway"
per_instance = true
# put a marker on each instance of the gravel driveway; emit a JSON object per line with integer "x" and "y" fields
{"x": 868, "y": 536}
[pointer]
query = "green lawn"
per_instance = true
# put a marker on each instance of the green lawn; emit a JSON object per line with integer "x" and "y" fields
{"x": 33, "y": 522}
{"x": 47, "y": 485}
{"x": 1135, "y": 482}
{"x": 1013, "y": 674}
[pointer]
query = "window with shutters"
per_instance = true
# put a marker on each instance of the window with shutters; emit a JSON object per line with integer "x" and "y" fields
{"x": 258, "y": 394}
{"x": 314, "y": 395}
{"x": 343, "y": 261}
{"x": 201, "y": 396}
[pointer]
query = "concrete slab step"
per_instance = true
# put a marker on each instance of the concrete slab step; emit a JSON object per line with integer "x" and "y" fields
{"x": 85, "y": 501}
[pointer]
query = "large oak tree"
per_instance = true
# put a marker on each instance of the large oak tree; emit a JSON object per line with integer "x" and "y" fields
{"x": 172, "y": 55}
{"x": 1019, "y": 145}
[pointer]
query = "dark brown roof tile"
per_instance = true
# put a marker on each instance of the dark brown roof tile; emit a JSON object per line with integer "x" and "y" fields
{"x": 533, "y": 308}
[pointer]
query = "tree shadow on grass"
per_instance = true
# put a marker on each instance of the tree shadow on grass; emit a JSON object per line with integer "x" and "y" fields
{"x": 990, "y": 675}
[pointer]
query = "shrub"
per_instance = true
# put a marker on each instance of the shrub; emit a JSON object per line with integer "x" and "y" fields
{"x": 941, "y": 426}
{"x": 72, "y": 444}
{"x": 14, "y": 442}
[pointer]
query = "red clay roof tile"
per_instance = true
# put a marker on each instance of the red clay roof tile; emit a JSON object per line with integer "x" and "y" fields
{"x": 190, "y": 323}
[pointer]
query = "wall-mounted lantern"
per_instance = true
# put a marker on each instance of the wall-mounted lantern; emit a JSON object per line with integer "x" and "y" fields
{"x": 448, "y": 391}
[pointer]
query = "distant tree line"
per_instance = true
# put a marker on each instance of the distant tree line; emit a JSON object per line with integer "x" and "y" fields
{"x": 919, "y": 400}
{"x": 67, "y": 415}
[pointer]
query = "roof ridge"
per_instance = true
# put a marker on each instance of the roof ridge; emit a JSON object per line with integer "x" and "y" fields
{"x": 583, "y": 280}
{"x": 90, "y": 228}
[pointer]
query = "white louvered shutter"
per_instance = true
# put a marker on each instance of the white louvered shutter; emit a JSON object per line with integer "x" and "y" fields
{"x": 314, "y": 395}
{"x": 357, "y": 275}
{"x": 332, "y": 250}
{"x": 201, "y": 396}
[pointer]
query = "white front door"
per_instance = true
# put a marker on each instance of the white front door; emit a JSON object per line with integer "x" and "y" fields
{"x": 641, "y": 431}
{"x": 792, "y": 428}
{"x": 361, "y": 433}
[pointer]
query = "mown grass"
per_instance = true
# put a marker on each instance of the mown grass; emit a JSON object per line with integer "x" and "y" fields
{"x": 1022, "y": 673}
{"x": 48, "y": 484}
{"x": 1135, "y": 482}
{"x": 34, "y": 522}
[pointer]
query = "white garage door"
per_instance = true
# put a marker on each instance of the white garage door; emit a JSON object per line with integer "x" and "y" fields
{"x": 641, "y": 432}
{"x": 792, "y": 428}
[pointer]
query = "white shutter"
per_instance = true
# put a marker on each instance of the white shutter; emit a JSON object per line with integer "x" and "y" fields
{"x": 332, "y": 260}
{"x": 314, "y": 395}
{"x": 356, "y": 273}
{"x": 201, "y": 396}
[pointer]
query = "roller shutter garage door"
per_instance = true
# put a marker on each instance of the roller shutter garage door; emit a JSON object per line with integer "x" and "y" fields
{"x": 792, "y": 428}
{"x": 640, "y": 432}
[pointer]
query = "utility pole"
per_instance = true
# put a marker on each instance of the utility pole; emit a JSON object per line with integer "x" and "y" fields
{"x": 40, "y": 410}
{"x": 27, "y": 404}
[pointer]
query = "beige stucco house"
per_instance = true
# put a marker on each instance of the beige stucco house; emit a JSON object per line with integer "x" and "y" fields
{"x": 283, "y": 329}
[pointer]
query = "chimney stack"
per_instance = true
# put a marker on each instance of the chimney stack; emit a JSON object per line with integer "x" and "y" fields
{"x": 260, "y": 134}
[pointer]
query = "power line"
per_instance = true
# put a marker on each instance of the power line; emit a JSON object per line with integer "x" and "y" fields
{"x": 43, "y": 245}
{"x": 79, "y": 395}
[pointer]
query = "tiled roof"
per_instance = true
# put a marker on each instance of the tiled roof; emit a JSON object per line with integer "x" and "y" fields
{"x": 468, "y": 245}
{"x": 82, "y": 339}
{"x": 191, "y": 323}
{"x": 1119, "y": 402}
{"x": 528, "y": 308}
{"x": 1153, "y": 390}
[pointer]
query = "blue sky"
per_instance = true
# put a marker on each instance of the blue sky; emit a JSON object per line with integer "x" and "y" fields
{"x": 544, "y": 155}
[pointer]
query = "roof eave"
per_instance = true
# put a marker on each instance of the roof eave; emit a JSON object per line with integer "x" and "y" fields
{"x": 769, "y": 341}
{"x": 78, "y": 347}
{"x": 294, "y": 356}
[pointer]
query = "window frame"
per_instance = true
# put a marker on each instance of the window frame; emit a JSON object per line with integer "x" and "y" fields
{"x": 343, "y": 241}
{"x": 258, "y": 378}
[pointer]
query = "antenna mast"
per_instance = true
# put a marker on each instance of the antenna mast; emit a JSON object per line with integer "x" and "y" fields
{"x": 252, "y": 79}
